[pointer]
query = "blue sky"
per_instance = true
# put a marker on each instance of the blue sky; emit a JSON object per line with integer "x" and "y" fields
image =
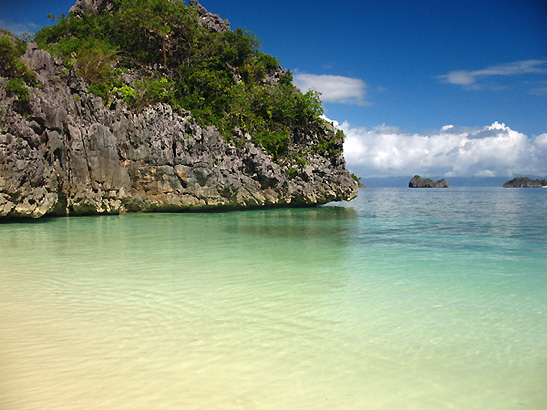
{"x": 396, "y": 75}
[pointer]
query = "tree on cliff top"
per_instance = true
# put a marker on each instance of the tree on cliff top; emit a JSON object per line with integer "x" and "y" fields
{"x": 221, "y": 77}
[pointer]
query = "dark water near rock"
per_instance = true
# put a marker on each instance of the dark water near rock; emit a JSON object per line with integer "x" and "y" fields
{"x": 419, "y": 299}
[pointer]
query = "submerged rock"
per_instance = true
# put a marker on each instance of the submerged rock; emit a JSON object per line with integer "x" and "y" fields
{"x": 419, "y": 182}
{"x": 522, "y": 182}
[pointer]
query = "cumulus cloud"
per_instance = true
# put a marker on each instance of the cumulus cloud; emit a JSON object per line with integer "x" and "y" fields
{"x": 470, "y": 79}
{"x": 494, "y": 150}
{"x": 18, "y": 28}
{"x": 334, "y": 88}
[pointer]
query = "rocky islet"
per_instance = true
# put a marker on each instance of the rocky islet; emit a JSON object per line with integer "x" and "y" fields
{"x": 419, "y": 182}
{"x": 523, "y": 182}
{"x": 66, "y": 153}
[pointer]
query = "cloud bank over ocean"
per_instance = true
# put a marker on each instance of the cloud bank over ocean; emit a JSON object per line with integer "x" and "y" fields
{"x": 452, "y": 151}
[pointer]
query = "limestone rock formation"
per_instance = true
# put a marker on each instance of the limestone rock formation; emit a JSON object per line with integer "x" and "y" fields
{"x": 210, "y": 20}
{"x": 522, "y": 182}
{"x": 419, "y": 182}
{"x": 63, "y": 152}
{"x": 90, "y": 6}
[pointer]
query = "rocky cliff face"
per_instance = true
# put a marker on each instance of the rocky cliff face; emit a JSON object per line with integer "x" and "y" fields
{"x": 63, "y": 152}
{"x": 419, "y": 182}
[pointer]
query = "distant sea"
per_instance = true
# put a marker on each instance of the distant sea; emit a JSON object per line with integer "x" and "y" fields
{"x": 400, "y": 299}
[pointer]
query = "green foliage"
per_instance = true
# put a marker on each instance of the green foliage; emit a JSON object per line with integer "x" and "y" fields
{"x": 129, "y": 93}
{"x": 151, "y": 91}
{"x": 254, "y": 69}
{"x": 11, "y": 49}
{"x": 543, "y": 182}
{"x": 19, "y": 75}
{"x": 292, "y": 171}
{"x": 297, "y": 158}
{"x": 358, "y": 179}
{"x": 219, "y": 77}
{"x": 146, "y": 92}
{"x": 275, "y": 142}
{"x": 96, "y": 61}
{"x": 17, "y": 86}
{"x": 102, "y": 90}
{"x": 331, "y": 146}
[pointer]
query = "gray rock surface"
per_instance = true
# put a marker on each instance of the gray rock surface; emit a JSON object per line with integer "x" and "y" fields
{"x": 522, "y": 182}
{"x": 64, "y": 153}
{"x": 419, "y": 182}
{"x": 210, "y": 20}
{"x": 90, "y": 6}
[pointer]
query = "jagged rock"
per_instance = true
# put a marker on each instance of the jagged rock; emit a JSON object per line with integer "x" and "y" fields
{"x": 522, "y": 182}
{"x": 210, "y": 20}
{"x": 68, "y": 154}
{"x": 419, "y": 182}
{"x": 90, "y": 6}
{"x": 273, "y": 76}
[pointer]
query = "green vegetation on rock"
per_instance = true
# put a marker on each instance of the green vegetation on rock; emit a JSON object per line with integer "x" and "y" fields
{"x": 17, "y": 72}
{"x": 221, "y": 77}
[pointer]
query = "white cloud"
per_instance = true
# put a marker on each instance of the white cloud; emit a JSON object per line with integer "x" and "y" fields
{"x": 541, "y": 142}
{"x": 469, "y": 79}
{"x": 539, "y": 91}
{"x": 459, "y": 77}
{"x": 518, "y": 67}
{"x": 334, "y": 88}
{"x": 18, "y": 28}
{"x": 494, "y": 150}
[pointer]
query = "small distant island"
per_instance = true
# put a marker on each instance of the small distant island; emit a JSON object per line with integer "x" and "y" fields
{"x": 419, "y": 182}
{"x": 525, "y": 182}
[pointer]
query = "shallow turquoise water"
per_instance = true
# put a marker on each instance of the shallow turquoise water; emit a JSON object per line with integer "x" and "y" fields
{"x": 416, "y": 299}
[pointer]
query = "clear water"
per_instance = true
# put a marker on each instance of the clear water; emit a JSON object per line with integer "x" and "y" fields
{"x": 401, "y": 299}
